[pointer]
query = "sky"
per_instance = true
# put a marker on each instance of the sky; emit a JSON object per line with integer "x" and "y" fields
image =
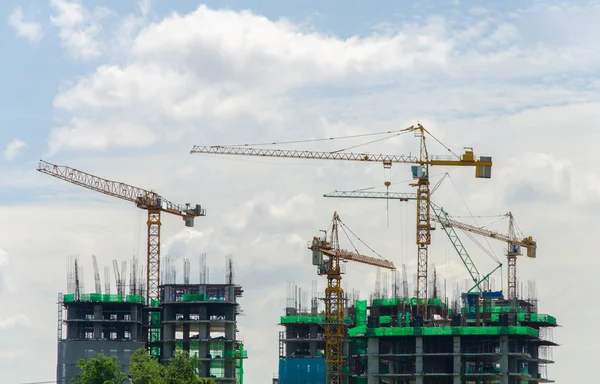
{"x": 123, "y": 90}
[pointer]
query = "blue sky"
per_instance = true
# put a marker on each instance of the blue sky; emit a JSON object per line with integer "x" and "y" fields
{"x": 124, "y": 89}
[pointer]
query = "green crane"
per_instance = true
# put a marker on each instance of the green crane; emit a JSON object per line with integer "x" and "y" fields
{"x": 440, "y": 216}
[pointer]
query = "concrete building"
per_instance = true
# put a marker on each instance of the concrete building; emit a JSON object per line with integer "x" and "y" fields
{"x": 202, "y": 320}
{"x": 302, "y": 342}
{"x": 493, "y": 343}
{"x": 97, "y": 323}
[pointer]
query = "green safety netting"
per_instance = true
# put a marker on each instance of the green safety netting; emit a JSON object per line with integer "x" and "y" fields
{"x": 104, "y": 298}
{"x": 200, "y": 297}
{"x": 495, "y": 309}
{"x": 194, "y": 297}
{"x": 447, "y": 331}
{"x": 385, "y": 319}
{"x": 536, "y": 318}
{"x": 308, "y": 319}
{"x": 361, "y": 330}
{"x": 361, "y": 312}
{"x": 406, "y": 301}
{"x": 361, "y": 347}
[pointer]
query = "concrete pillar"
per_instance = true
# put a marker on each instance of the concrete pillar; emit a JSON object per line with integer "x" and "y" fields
{"x": 97, "y": 326}
{"x": 373, "y": 360}
{"x": 457, "y": 360}
{"x": 312, "y": 345}
{"x": 419, "y": 360}
{"x": 133, "y": 312}
{"x": 503, "y": 359}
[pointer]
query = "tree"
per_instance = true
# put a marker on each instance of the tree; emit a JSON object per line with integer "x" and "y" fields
{"x": 145, "y": 370}
{"x": 99, "y": 370}
{"x": 182, "y": 369}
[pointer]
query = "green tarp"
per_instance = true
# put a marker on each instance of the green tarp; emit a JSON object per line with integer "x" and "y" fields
{"x": 446, "y": 331}
{"x": 104, "y": 298}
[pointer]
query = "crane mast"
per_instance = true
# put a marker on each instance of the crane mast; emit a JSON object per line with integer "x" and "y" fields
{"x": 335, "y": 327}
{"x": 144, "y": 199}
{"x": 449, "y": 223}
{"x": 420, "y": 173}
{"x": 440, "y": 216}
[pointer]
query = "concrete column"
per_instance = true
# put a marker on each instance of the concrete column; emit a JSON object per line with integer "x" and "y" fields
{"x": 373, "y": 360}
{"x": 133, "y": 312}
{"x": 186, "y": 337}
{"x": 419, "y": 360}
{"x": 503, "y": 359}
{"x": 312, "y": 345}
{"x": 97, "y": 326}
{"x": 457, "y": 360}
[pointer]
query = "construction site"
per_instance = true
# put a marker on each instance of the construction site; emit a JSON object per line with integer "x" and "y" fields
{"x": 479, "y": 334}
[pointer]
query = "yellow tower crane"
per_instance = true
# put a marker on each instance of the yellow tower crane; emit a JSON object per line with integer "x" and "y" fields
{"x": 143, "y": 199}
{"x": 513, "y": 239}
{"x": 420, "y": 172}
{"x": 334, "y": 294}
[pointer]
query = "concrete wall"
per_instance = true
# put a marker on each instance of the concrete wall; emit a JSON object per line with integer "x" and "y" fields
{"x": 69, "y": 351}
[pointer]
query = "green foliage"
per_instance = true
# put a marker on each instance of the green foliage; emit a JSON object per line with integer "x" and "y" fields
{"x": 182, "y": 369}
{"x": 145, "y": 370}
{"x": 99, "y": 370}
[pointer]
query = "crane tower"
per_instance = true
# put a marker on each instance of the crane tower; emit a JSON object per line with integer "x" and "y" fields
{"x": 144, "y": 199}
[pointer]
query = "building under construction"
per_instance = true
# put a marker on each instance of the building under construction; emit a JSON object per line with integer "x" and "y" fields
{"x": 477, "y": 338}
{"x": 199, "y": 318}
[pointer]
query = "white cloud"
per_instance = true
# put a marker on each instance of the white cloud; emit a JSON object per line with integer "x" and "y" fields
{"x": 4, "y": 263}
{"x": 226, "y": 65}
{"x": 485, "y": 81}
{"x": 17, "y": 320}
{"x": 13, "y": 149}
{"x": 28, "y": 29}
{"x": 145, "y": 6}
{"x": 78, "y": 29}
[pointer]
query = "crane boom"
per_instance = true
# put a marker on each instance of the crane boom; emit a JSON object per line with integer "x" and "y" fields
{"x": 143, "y": 199}
{"x": 466, "y": 160}
{"x": 440, "y": 216}
{"x": 353, "y": 256}
{"x": 527, "y": 242}
{"x": 420, "y": 172}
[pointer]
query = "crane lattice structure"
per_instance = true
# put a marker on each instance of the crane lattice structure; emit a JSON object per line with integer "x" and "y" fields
{"x": 334, "y": 294}
{"x": 514, "y": 239}
{"x": 420, "y": 173}
{"x": 440, "y": 216}
{"x": 143, "y": 199}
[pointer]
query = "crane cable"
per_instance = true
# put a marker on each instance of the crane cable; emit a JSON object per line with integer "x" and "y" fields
{"x": 344, "y": 227}
{"x": 396, "y": 132}
{"x": 472, "y": 216}
{"x": 440, "y": 143}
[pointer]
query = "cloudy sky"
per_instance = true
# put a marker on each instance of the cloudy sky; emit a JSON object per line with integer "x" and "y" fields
{"x": 124, "y": 89}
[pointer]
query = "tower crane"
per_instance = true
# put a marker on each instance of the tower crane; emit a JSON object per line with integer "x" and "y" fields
{"x": 420, "y": 172}
{"x": 514, "y": 239}
{"x": 440, "y": 216}
{"x": 144, "y": 199}
{"x": 326, "y": 255}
